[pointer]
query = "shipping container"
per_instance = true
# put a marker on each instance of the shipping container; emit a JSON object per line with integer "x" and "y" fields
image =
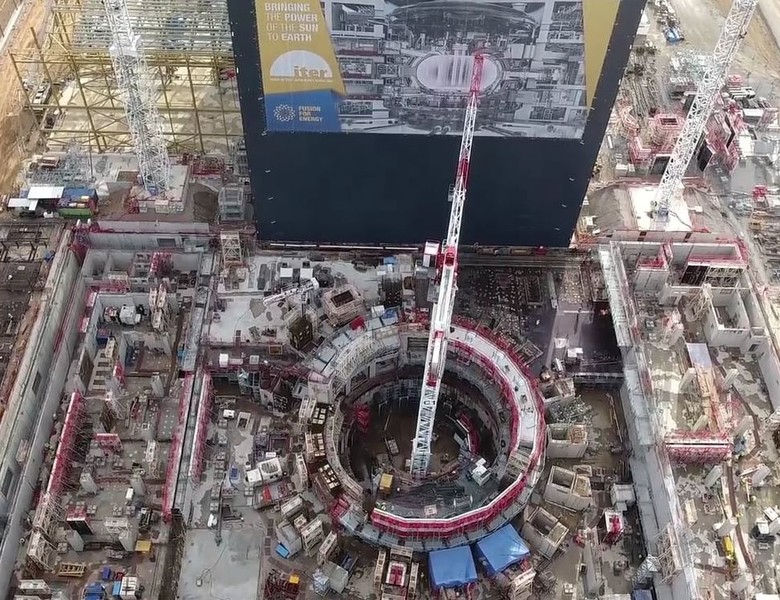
{"x": 75, "y": 213}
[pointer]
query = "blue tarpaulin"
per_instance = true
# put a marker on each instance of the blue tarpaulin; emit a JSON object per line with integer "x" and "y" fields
{"x": 453, "y": 567}
{"x": 501, "y": 549}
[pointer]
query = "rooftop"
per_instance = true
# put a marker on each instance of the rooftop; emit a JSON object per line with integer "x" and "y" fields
{"x": 108, "y": 497}
{"x": 701, "y": 384}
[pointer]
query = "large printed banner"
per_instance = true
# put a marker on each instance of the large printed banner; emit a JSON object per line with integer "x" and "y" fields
{"x": 301, "y": 78}
{"x": 404, "y": 66}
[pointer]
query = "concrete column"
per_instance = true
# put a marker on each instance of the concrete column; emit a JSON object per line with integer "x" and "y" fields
{"x": 739, "y": 585}
{"x": 726, "y": 527}
{"x": 157, "y": 386}
{"x": 758, "y": 476}
{"x": 713, "y": 476}
{"x": 744, "y": 425}
{"x": 730, "y": 378}
{"x": 701, "y": 423}
{"x": 688, "y": 377}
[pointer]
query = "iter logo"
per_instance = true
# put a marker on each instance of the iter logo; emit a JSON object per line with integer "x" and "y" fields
{"x": 301, "y": 65}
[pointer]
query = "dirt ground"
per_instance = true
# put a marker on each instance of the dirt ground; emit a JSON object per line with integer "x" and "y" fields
{"x": 759, "y": 56}
{"x": 16, "y": 123}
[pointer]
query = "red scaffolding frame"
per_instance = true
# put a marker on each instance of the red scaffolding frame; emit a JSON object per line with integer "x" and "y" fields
{"x": 62, "y": 458}
{"x": 161, "y": 264}
{"x": 118, "y": 373}
{"x": 698, "y": 447}
{"x": 427, "y": 528}
{"x": 109, "y": 442}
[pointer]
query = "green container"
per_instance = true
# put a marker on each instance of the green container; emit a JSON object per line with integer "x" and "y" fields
{"x": 75, "y": 212}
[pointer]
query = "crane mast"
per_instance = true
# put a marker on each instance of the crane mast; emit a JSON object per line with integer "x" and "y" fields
{"x": 441, "y": 312}
{"x": 734, "y": 29}
{"x": 136, "y": 90}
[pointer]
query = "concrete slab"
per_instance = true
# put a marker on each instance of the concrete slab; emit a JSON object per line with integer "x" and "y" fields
{"x": 230, "y": 570}
{"x": 643, "y": 199}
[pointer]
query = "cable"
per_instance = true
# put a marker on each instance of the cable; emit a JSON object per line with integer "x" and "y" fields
{"x": 208, "y": 572}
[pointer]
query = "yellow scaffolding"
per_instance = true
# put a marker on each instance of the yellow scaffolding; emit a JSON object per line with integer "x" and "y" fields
{"x": 70, "y": 89}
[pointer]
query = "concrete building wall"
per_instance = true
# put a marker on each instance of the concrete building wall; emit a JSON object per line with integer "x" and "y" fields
{"x": 563, "y": 448}
{"x": 35, "y": 398}
{"x": 770, "y": 370}
{"x": 162, "y": 239}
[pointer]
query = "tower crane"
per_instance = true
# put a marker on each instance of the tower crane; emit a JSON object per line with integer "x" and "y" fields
{"x": 734, "y": 30}
{"x": 441, "y": 312}
{"x": 137, "y": 92}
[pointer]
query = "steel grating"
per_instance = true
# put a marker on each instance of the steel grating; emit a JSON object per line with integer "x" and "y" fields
{"x": 200, "y": 27}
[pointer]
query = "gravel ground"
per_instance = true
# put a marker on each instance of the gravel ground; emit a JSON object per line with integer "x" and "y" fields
{"x": 759, "y": 56}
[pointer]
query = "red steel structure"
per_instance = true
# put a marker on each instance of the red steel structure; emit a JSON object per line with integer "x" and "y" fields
{"x": 441, "y": 528}
{"x": 63, "y": 456}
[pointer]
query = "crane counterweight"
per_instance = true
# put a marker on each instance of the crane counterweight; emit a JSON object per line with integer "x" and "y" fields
{"x": 441, "y": 312}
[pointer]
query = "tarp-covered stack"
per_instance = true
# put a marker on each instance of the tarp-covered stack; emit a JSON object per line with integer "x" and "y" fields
{"x": 501, "y": 549}
{"x": 452, "y": 568}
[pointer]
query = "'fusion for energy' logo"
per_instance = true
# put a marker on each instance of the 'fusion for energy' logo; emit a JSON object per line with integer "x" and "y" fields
{"x": 301, "y": 65}
{"x": 284, "y": 113}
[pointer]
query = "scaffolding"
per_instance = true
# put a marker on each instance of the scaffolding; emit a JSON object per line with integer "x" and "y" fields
{"x": 177, "y": 448}
{"x": 232, "y": 254}
{"x": 161, "y": 265}
{"x": 137, "y": 89}
{"x": 62, "y": 459}
{"x": 201, "y": 429}
{"x": 190, "y": 58}
{"x": 668, "y": 553}
{"x": 698, "y": 448}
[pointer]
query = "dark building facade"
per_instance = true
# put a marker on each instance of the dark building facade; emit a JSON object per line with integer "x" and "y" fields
{"x": 353, "y": 114}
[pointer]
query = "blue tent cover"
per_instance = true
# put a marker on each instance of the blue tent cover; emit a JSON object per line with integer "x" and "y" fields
{"x": 453, "y": 567}
{"x": 501, "y": 549}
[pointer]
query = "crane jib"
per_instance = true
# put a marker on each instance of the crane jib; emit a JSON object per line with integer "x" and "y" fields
{"x": 443, "y": 308}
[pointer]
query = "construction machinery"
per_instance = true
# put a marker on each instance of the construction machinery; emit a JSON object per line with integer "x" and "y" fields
{"x": 446, "y": 276}
{"x": 734, "y": 30}
{"x": 297, "y": 290}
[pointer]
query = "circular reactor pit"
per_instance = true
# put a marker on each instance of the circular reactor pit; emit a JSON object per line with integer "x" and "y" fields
{"x": 488, "y": 445}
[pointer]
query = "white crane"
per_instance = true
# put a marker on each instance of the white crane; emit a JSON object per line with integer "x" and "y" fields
{"x": 734, "y": 30}
{"x": 137, "y": 92}
{"x": 306, "y": 286}
{"x": 441, "y": 313}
